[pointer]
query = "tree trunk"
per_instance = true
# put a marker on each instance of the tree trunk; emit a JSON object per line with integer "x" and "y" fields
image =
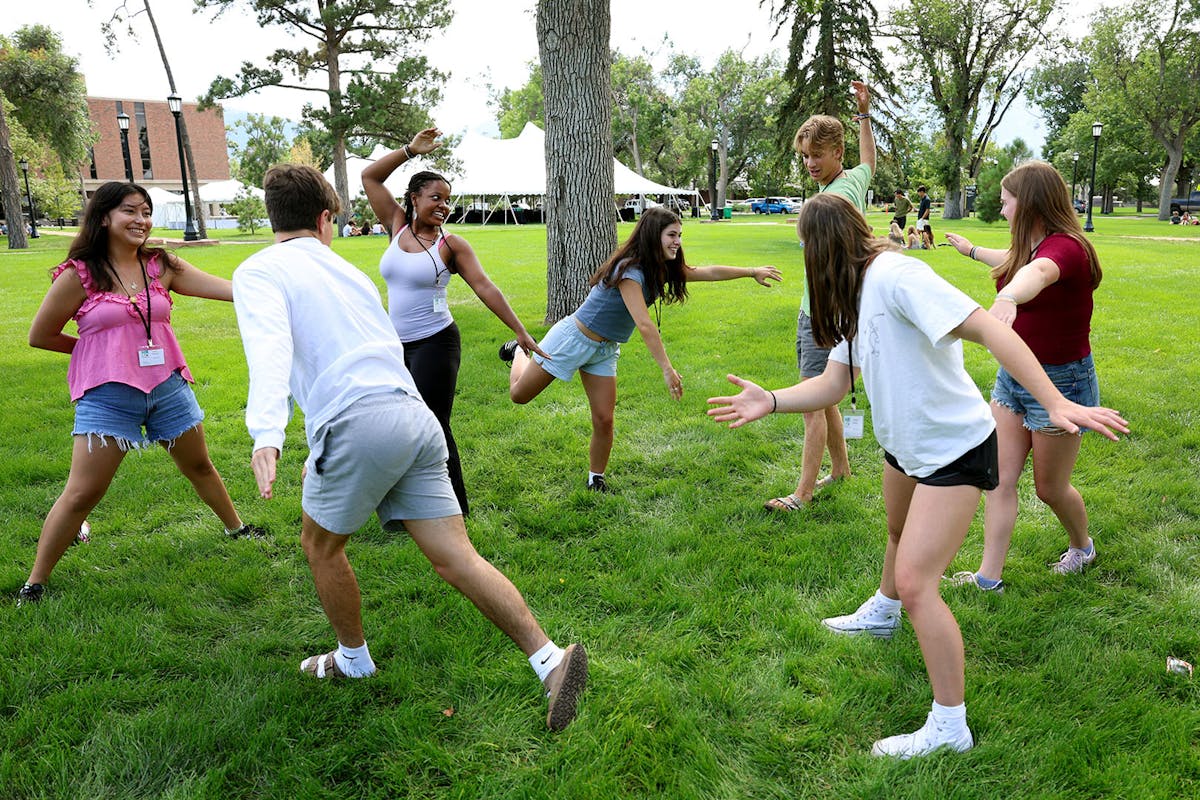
{"x": 183, "y": 131}
{"x": 1167, "y": 179}
{"x": 337, "y": 126}
{"x": 10, "y": 188}
{"x": 581, "y": 232}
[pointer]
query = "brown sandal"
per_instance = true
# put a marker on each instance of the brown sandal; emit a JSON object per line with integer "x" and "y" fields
{"x": 785, "y": 504}
{"x": 323, "y": 666}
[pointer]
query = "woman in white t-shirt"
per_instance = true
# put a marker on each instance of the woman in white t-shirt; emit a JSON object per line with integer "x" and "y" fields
{"x": 903, "y": 326}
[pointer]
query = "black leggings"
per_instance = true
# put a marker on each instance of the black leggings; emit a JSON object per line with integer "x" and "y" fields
{"x": 433, "y": 362}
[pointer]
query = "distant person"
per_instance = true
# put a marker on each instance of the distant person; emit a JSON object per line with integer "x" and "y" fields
{"x": 896, "y": 234}
{"x": 365, "y": 230}
{"x": 127, "y": 376}
{"x": 924, "y": 225}
{"x": 314, "y": 328}
{"x": 350, "y": 228}
{"x": 418, "y": 266}
{"x": 913, "y": 241}
{"x": 900, "y": 209}
{"x": 900, "y": 327}
{"x": 1045, "y": 282}
{"x": 647, "y": 270}
{"x": 1176, "y": 219}
{"x": 821, "y": 143}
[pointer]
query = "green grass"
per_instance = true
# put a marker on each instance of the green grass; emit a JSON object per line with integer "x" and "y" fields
{"x": 163, "y": 662}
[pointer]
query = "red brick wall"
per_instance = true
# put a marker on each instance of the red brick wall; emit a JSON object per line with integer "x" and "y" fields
{"x": 206, "y": 130}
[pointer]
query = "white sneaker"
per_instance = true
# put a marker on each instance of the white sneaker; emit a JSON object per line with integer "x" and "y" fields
{"x": 923, "y": 741}
{"x": 872, "y": 617}
{"x": 1073, "y": 561}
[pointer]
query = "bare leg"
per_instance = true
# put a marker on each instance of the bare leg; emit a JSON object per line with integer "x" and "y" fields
{"x": 190, "y": 453}
{"x": 1000, "y": 506}
{"x": 445, "y": 543}
{"x": 602, "y": 399}
{"x": 815, "y": 431}
{"x": 526, "y": 379}
{"x": 835, "y": 439}
{"x": 334, "y": 578}
{"x": 1054, "y": 459}
{"x": 897, "y": 494}
{"x": 934, "y": 528}
{"x": 91, "y": 474}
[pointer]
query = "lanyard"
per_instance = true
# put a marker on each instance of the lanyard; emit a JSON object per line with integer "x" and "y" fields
{"x": 437, "y": 271}
{"x": 148, "y": 317}
{"x": 850, "y": 352}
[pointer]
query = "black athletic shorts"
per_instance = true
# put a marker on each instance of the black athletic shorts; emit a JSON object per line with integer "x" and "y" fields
{"x": 977, "y": 467}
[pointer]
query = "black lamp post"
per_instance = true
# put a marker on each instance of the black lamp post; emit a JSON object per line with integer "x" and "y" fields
{"x": 123, "y": 124}
{"x": 1074, "y": 171}
{"x": 175, "y": 102}
{"x": 1096, "y": 128}
{"x": 712, "y": 180}
{"x": 33, "y": 234}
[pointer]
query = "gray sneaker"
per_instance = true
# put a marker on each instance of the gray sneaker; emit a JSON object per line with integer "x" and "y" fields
{"x": 872, "y": 617}
{"x": 968, "y": 578}
{"x": 1073, "y": 561}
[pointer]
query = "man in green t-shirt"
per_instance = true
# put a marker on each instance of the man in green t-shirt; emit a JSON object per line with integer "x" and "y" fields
{"x": 900, "y": 209}
{"x": 821, "y": 143}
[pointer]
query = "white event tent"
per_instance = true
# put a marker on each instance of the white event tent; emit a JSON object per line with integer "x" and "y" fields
{"x": 170, "y": 213}
{"x": 503, "y": 168}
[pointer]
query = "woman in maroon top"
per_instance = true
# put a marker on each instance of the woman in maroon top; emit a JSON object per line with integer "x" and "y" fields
{"x": 1044, "y": 284}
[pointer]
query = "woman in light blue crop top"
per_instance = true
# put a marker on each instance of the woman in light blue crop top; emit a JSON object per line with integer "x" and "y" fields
{"x": 648, "y": 269}
{"x": 417, "y": 266}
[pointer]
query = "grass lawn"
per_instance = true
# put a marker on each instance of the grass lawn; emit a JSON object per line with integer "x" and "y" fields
{"x": 163, "y": 662}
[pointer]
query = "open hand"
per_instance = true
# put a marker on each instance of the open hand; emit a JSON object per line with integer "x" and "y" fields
{"x": 765, "y": 274}
{"x": 425, "y": 142}
{"x": 753, "y": 402}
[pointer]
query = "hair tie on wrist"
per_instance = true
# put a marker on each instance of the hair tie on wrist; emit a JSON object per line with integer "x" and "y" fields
{"x": 774, "y": 402}
{"x": 860, "y": 117}
{"x": 1008, "y": 297}
{"x": 972, "y": 253}
{"x": 408, "y": 153}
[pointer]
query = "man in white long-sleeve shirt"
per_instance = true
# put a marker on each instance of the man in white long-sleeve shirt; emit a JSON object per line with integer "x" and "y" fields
{"x": 314, "y": 328}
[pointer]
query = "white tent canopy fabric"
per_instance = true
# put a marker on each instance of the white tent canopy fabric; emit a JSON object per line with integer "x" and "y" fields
{"x": 512, "y": 167}
{"x": 169, "y": 211}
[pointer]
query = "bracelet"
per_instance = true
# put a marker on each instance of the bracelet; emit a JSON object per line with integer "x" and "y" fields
{"x": 972, "y": 253}
{"x": 408, "y": 153}
{"x": 774, "y": 402}
{"x": 1008, "y": 297}
{"x": 861, "y": 117}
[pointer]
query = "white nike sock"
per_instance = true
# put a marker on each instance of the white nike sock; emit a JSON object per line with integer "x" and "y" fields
{"x": 354, "y": 661}
{"x": 593, "y": 475}
{"x": 951, "y": 719}
{"x": 546, "y": 659}
{"x": 890, "y": 603}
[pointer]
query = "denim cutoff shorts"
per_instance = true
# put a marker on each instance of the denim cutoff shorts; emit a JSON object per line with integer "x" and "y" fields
{"x": 570, "y": 350}
{"x": 1076, "y": 380}
{"x": 810, "y": 359}
{"x": 122, "y": 412}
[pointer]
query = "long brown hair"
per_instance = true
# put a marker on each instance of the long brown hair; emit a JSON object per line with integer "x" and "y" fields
{"x": 90, "y": 245}
{"x": 643, "y": 248}
{"x": 838, "y": 246}
{"x": 1042, "y": 196}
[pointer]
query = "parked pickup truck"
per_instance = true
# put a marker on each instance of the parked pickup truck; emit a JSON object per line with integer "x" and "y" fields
{"x": 771, "y": 205}
{"x": 1191, "y": 203}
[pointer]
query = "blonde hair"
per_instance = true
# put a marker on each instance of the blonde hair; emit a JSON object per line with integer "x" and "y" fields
{"x": 822, "y": 132}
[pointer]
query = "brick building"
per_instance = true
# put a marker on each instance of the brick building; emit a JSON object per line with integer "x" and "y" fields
{"x": 153, "y": 150}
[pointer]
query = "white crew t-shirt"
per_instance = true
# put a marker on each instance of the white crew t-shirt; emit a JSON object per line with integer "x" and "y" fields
{"x": 925, "y": 409}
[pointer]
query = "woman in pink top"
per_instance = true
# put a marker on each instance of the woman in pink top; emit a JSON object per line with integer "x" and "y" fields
{"x": 1044, "y": 284}
{"x": 127, "y": 372}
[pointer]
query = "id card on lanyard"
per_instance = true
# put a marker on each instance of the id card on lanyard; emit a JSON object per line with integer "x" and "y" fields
{"x": 852, "y": 420}
{"x": 148, "y": 356}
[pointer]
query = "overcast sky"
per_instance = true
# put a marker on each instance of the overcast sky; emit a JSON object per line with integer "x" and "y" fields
{"x": 490, "y": 42}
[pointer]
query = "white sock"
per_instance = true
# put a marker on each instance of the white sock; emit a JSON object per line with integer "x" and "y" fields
{"x": 593, "y": 475}
{"x": 889, "y": 603}
{"x": 546, "y": 659}
{"x": 952, "y": 719}
{"x": 354, "y": 661}
{"x": 1087, "y": 551}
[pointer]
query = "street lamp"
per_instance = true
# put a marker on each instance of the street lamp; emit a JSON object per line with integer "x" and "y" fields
{"x": 1074, "y": 170}
{"x": 1096, "y": 128}
{"x": 33, "y": 234}
{"x": 175, "y": 102}
{"x": 712, "y": 180}
{"x": 123, "y": 124}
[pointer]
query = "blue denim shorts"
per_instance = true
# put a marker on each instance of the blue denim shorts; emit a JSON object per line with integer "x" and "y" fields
{"x": 121, "y": 411}
{"x": 1076, "y": 380}
{"x": 570, "y": 350}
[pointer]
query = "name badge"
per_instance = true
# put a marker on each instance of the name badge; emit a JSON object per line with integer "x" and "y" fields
{"x": 439, "y": 300}
{"x": 852, "y": 424}
{"x": 151, "y": 357}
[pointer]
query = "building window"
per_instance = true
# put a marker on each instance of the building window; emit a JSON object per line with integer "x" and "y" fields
{"x": 143, "y": 137}
{"x": 92, "y": 164}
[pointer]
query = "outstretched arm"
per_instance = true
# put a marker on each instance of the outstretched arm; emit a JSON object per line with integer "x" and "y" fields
{"x": 1015, "y": 356}
{"x": 755, "y": 402}
{"x": 466, "y": 264}
{"x": 383, "y": 203}
{"x": 185, "y": 279}
{"x": 990, "y": 256}
{"x": 717, "y": 272}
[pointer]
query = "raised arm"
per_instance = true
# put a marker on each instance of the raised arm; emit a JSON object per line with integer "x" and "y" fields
{"x": 1015, "y": 356}
{"x": 383, "y": 203}
{"x": 718, "y": 272}
{"x": 866, "y": 139}
{"x": 631, "y": 293}
{"x": 467, "y": 265}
